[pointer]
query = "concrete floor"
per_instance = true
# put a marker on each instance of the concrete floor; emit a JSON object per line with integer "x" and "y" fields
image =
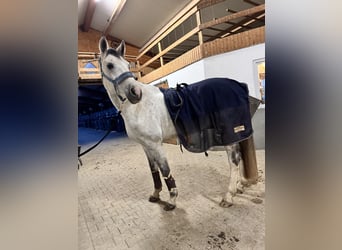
{"x": 114, "y": 213}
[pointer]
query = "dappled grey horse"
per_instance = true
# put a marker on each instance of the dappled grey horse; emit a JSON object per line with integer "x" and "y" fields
{"x": 148, "y": 122}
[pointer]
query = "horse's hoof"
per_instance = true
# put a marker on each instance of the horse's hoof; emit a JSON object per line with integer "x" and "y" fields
{"x": 153, "y": 199}
{"x": 169, "y": 207}
{"x": 225, "y": 203}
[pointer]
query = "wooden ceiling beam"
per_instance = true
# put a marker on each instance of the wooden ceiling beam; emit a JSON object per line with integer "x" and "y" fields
{"x": 89, "y": 15}
{"x": 117, "y": 10}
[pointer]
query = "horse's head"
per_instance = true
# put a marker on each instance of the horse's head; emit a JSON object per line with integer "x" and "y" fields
{"x": 117, "y": 78}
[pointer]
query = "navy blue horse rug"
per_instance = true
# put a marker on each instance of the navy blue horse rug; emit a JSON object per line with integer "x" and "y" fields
{"x": 212, "y": 112}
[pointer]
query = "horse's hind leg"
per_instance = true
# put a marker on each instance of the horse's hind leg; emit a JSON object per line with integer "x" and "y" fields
{"x": 234, "y": 158}
{"x": 156, "y": 178}
{"x": 242, "y": 182}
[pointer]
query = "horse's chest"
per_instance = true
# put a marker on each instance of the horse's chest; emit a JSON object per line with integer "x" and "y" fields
{"x": 140, "y": 121}
{"x": 149, "y": 120}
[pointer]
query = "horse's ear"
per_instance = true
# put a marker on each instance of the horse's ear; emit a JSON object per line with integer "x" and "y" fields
{"x": 121, "y": 49}
{"x": 103, "y": 44}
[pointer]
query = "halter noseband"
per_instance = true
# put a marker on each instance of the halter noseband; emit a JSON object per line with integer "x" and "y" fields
{"x": 116, "y": 81}
{"x": 120, "y": 78}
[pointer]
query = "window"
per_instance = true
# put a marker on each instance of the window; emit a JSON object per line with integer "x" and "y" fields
{"x": 89, "y": 65}
{"x": 260, "y": 77}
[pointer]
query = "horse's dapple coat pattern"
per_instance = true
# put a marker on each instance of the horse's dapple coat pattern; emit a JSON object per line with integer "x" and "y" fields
{"x": 212, "y": 112}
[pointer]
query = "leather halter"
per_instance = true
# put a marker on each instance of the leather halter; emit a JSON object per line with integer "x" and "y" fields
{"x": 120, "y": 78}
{"x": 116, "y": 81}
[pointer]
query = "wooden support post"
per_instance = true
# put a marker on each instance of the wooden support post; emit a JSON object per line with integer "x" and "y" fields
{"x": 138, "y": 67}
{"x": 170, "y": 47}
{"x": 161, "y": 58}
{"x": 247, "y": 149}
{"x": 200, "y": 34}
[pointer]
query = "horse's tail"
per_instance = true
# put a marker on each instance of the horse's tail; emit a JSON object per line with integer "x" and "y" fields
{"x": 250, "y": 171}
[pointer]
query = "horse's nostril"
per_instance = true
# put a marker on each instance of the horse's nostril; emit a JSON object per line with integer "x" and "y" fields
{"x": 133, "y": 91}
{"x": 134, "y": 94}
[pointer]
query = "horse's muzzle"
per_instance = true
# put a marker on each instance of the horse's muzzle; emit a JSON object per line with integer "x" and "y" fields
{"x": 134, "y": 94}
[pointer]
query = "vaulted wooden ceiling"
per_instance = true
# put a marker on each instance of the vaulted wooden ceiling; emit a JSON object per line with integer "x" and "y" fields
{"x": 137, "y": 21}
{"x": 134, "y": 21}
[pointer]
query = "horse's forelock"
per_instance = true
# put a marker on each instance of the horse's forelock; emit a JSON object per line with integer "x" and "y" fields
{"x": 112, "y": 52}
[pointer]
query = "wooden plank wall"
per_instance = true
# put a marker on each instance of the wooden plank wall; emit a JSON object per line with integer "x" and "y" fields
{"x": 89, "y": 42}
{"x": 83, "y": 73}
{"x": 234, "y": 42}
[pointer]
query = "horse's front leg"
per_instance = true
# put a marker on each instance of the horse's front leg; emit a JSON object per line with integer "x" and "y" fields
{"x": 155, "y": 176}
{"x": 157, "y": 154}
{"x": 170, "y": 183}
{"x": 234, "y": 158}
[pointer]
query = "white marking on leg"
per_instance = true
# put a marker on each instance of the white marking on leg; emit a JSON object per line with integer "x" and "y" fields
{"x": 243, "y": 182}
{"x": 156, "y": 193}
{"x": 173, "y": 196}
{"x": 232, "y": 179}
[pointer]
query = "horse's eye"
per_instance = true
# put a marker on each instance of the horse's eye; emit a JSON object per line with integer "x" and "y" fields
{"x": 110, "y": 66}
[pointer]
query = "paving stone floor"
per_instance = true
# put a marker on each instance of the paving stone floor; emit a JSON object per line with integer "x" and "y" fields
{"x": 114, "y": 213}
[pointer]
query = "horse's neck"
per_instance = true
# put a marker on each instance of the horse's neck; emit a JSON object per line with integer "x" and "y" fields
{"x": 151, "y": 104}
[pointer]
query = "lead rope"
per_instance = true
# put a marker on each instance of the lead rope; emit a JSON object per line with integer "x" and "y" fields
{"x": 111, "y": 127}
{"x": 94, "y": 146}
{"x": 91, "y": 148}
